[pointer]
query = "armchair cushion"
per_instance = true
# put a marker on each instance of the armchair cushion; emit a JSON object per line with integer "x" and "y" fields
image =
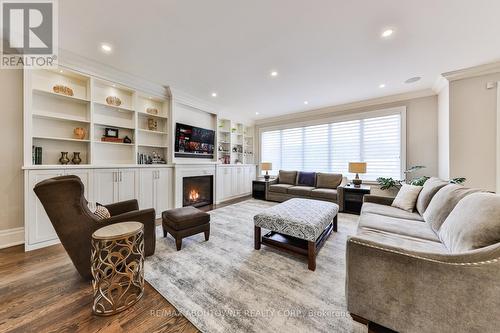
{"x": 288, "y": 177}
{"x": 443, "y": 203}
{"x": 328, "y": 180}
{"x": 101, "y": 212}
{"x": 473, "y": 224}
{"x": 431, "y": 187}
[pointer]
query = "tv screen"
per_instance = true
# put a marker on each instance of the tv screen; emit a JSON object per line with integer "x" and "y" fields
{"x": 191, "y": 141}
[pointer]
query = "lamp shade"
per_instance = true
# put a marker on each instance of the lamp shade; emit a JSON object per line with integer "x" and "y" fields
{"x": 357, "y": 167}
{"x": 266, "y": 166}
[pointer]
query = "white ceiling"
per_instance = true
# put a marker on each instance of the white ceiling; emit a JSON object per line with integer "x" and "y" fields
{"x": 327, "y": 52}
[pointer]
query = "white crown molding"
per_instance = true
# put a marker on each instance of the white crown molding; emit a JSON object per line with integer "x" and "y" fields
{"x": 348, "y": 106}
{"x": 192, "y": 101}
{"x": 490, "y": 68}
{"x": 11, "y": 237}
{"x": 440, "y": 84}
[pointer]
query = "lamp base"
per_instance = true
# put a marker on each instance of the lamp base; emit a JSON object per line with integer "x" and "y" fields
{"x": 356, "y": 181}
{"x": 266, "y": 177}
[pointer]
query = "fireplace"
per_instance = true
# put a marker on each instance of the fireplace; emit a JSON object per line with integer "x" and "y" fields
{"x": 197, "y": 191}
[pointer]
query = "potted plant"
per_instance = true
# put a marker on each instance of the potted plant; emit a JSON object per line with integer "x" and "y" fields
{"x": 389, "y": 183}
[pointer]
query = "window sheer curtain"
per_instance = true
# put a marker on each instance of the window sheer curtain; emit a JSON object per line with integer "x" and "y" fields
{"x": 330, "y": 147}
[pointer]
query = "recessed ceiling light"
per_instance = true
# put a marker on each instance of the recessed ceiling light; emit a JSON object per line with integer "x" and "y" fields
{"x": 306, "y": 102}
{"x": 413, "y": 79}
{"x": 382, "y": 85}
{"x": 274, "y": 73}
{"x": 114, "y": 85}
{"x": 106, "y": 48}
{"x": 61, "y": 71}
{"x": 214, "y": 94}
{"x": 257, "y": 113}
{"x": 387, "y": 33}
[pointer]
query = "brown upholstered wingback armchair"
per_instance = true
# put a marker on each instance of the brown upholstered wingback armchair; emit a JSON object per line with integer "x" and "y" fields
{"x": 64, "y": 201}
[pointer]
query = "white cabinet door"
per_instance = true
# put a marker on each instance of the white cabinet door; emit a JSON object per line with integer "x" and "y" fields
{"x": 247, "y": 180}
{"x": 146, "y": 189}
{"x": 227, "y": 179}
{"x": 219, "y": 184}
{"x": 240, "y": 174}
{"x": 128, "y": 184}
{"x": 162, "y": 191}
{"x": 105, "y": 186}
{"x": 39, "y": 227}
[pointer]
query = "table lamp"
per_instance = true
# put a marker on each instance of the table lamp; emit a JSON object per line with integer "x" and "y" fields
{"x": 266, "y": 166}
{"x": 357, "y": 168}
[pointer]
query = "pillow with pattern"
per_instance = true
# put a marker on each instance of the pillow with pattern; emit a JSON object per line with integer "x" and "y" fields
{"x": 101, "y": 212}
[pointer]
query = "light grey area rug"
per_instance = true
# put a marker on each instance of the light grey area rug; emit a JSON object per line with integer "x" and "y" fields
{"x": 224, "y": 285}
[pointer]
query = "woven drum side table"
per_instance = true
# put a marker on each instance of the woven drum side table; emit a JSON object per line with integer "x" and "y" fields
{"x": 117, "y": 267}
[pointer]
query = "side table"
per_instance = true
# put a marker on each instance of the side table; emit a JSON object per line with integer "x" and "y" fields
{"x": 259, "y": 188}
{"x": 117, "y": 257}
{"x": 353, "y": 197}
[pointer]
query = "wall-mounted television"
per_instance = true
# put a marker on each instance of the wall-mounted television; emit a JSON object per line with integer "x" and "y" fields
{"x": 191, "y": 141}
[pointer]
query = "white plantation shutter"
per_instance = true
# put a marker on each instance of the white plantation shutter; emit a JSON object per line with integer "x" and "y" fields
{"x": 330, "y": 147}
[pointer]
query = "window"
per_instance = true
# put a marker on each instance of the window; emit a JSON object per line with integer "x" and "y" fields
{"x": 330, "y": 147}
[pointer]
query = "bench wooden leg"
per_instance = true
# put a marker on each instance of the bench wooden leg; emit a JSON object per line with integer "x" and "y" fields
{"x": 207, "y": 234}
{"x": 335, "y": 224}
{"x": 257, "y": 238}
{"x": 311, "y": 255}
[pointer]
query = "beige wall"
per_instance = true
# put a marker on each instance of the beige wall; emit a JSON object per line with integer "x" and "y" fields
{"x": 11, "y": 149}
{"x": 444, "y": 133}
{"x": 421, "y": 119}
{"x": 473, "y": 110}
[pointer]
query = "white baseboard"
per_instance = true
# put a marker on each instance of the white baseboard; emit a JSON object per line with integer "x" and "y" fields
{"x": 11, "y": 237}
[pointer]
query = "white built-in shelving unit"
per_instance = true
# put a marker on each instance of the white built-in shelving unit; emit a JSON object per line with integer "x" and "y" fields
{"x": 52, "y": 117}
{"x": 234, "y": 142}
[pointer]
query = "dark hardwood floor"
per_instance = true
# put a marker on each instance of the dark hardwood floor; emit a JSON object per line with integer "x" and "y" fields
{"x": 41, "y": 291}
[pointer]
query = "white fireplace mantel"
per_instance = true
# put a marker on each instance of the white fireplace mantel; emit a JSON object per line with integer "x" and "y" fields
{"x": 190, "y": 170}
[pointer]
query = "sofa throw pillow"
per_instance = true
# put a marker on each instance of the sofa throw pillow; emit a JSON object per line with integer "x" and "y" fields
{"x": 328, "y": 180}
{"x": 407, "y": 197}
{"x": 307, "y": 178}
{"x": 443, "y": 203}
{"x": 431, "y": 187}
{"x": 288, "y": 177}
{"x": 101, "y": 212}
{"x": 474, "y": 223}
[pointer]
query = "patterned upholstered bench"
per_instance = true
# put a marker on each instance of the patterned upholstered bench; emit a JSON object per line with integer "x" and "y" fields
{"x": 297, "y": 226}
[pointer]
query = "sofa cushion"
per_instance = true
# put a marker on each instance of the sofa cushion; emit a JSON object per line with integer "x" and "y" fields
{"x": 431, "y": 187}
{"x": 405, "y": 243}
{"x": 324, "y": 193}
{"x": 328, "y": 180}
{"x": 410, "y": 228}
{"x": 407, "y": 197}
{"x": 288, "y": 177}
{"x": 307, "y": 178}
{"x": 473, "y": 224}
{"x": 443, "y": 203}
{"x": 374, "y": 208}
{"x": 279, "y": 188}
{"x": 300, "y": 190}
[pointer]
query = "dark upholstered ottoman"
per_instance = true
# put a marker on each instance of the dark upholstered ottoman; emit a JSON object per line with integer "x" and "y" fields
{"x": 185, "y": 222}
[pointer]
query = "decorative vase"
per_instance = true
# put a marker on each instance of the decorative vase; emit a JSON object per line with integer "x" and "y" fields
{"x": 80, "y": 133}
{"x": 76, "y": 158}
{"x": 152, "y": 124}
{"x": 113, "y": 100}
{"x": 64, "y": 158}
{"x": 152, "y": 111}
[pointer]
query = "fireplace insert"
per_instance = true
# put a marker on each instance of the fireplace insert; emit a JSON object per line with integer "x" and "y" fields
{"x": 197, "y": 191}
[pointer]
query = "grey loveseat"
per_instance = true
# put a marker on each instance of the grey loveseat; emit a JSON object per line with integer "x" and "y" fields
{"x": 309, "y": 185}
{"x": 433, "y": 270}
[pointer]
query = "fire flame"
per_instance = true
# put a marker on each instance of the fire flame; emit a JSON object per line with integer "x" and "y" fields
{"x": 194, "y": 195}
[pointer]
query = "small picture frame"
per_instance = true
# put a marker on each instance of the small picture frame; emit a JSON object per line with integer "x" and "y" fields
{"x": 111, "y": 132}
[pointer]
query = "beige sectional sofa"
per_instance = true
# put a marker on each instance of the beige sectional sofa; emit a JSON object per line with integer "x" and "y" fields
{"x": 436, "y": 269}
{"x": 312, "y": 185}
